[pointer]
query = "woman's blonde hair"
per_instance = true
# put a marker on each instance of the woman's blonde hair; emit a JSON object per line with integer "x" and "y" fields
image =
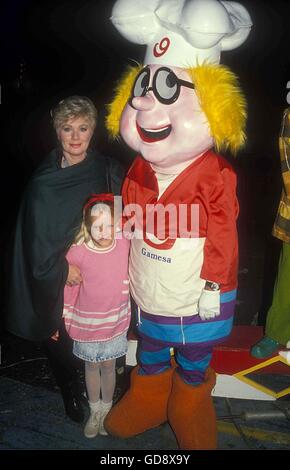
{"x": 220, "y": 98}
{"x": 74, "y": 107}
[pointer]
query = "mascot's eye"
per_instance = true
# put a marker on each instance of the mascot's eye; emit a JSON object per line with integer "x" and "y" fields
{"x": 171, "y": 80}
{"x": 166, "y": 85}
{"x": 141, "y": 83}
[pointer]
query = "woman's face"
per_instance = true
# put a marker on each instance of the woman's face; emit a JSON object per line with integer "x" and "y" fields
{"x": 75, "y": 136}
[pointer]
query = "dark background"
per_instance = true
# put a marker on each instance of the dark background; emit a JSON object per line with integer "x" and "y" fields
{"x": 50, "y": 50}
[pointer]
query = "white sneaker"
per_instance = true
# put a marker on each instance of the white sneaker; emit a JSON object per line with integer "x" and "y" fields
{"x": 93, "y": 425}
{"x": 105, "y": 408}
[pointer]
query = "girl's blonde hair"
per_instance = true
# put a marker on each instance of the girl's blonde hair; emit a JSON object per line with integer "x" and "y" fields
{"x": 83, "y": 235}
{"x": 220, "y": 98}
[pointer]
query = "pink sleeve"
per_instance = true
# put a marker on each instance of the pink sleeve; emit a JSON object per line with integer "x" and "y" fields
{"x": 74, "y": 255}
{"x": 70, "y": 295}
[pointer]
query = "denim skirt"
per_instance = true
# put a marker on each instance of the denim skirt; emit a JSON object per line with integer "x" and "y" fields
{"x": 99, "y": 351}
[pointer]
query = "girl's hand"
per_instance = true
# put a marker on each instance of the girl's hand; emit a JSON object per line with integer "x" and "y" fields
{"x": 74, "y": 275}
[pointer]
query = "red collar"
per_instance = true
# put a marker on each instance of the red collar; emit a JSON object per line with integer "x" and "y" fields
{"x": 145, "y": 177}
{"x": 141, "y": 187}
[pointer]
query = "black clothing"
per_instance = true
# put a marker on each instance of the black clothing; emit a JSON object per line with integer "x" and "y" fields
{"x": 48, "y": 220}
{"x": 59, "y": 353}
{"x": 64, "y": 366}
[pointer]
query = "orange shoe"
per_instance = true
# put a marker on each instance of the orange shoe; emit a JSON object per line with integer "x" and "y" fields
{"x": 191, "y": 413}
{"x": 144, "y": 405}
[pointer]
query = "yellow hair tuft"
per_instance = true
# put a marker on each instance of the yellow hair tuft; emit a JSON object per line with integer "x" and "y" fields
{"x": 220, "y": 98}
{"x": 121, "y": 96}
{"x": 223, "y": 104}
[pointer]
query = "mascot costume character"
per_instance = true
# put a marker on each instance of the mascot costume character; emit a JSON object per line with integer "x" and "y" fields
{"x": 173, "y": 110}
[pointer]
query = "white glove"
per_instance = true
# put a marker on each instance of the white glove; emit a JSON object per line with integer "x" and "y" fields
{"x": 209, "y": 304}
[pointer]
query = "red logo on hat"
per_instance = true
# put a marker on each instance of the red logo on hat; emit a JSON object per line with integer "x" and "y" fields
{"x": 161, "y": 47}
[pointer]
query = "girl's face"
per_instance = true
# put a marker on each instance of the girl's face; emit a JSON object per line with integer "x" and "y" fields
{"x": 75, "y": 136}
{"x": 102, "y": 228}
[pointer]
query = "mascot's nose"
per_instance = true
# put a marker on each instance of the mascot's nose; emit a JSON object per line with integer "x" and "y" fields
{"x": 143, "y": 103}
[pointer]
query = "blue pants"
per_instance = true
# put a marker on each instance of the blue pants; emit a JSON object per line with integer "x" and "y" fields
{"x": 191, "y": 338}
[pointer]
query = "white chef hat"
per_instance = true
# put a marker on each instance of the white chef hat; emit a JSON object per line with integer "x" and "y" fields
{"x": 182, "y": 33}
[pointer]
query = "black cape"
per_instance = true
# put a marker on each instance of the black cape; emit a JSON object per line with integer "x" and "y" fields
{"x": 49, "y": 218}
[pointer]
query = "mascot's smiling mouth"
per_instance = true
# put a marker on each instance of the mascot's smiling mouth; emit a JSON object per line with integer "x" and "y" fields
{"x": 153, "y": 135}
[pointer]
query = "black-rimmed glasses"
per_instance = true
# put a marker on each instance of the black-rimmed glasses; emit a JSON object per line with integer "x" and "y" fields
{"x": 165, "y": 85}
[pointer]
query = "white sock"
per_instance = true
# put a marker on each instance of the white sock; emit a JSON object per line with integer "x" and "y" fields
{"x": 95, "y": 406}
{"x": 106, "y": 406}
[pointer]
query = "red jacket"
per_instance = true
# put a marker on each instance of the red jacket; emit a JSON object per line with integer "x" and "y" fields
{"x": 209, "y": 182}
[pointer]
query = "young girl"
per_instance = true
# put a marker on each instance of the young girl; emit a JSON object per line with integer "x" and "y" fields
{"x": 96, "y": 306}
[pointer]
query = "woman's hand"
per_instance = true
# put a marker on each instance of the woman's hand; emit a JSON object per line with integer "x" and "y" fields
{"x": 74, "y": 275}
{"x": 55, "y": 336}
